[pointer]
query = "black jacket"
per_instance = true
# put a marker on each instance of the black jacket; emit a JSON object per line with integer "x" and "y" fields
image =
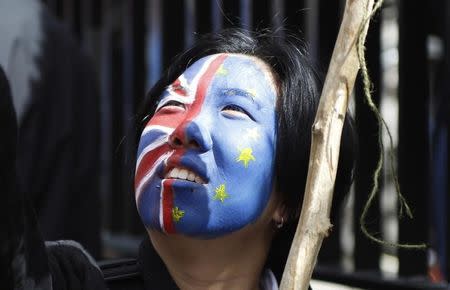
{"x": 72, "y": 268}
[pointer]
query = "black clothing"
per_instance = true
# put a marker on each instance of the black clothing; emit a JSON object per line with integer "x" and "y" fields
{"x": 23, "y": 260}
{"x": 147, "y": 272}
{"x": 72, "y": 269}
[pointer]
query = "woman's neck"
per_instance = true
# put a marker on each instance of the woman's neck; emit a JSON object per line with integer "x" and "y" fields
{"x": 234, "y": 261}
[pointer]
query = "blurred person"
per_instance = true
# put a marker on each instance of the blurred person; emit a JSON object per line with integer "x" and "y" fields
{"x": 222, "y": 160}
{"x": 55, "y": 96}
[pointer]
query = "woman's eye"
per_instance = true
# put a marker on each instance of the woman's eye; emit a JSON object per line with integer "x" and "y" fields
{"x": 173, "y": 105}
{"x": 236, "y": 111}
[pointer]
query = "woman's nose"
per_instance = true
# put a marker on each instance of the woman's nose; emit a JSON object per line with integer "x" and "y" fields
{"x": 192, "y": 135}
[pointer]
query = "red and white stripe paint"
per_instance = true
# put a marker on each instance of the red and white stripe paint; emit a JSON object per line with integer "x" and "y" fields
{"x": 192, "y": 94}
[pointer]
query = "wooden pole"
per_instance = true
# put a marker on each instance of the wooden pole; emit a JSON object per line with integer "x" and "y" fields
{"x": 314, "y": 222}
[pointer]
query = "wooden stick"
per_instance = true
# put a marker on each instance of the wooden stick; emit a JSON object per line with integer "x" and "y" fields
{"x": 314, "y": 222}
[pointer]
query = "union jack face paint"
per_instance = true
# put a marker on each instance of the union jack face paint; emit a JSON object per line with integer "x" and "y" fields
{"x": 206, "y": 158}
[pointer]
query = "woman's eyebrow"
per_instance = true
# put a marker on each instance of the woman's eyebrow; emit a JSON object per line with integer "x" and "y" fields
{"x": 250, "y": 94}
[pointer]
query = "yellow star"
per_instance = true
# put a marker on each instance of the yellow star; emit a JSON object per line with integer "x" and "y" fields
{"x": 177, "y": 214}
{"x": 221, "y": 194}
{"x": 246, "y": 156}
{"x": 222, "y": 71}
{"x": 252, "y": 134}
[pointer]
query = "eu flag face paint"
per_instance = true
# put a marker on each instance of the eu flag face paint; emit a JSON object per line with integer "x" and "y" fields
{"x": 206, "y": 158}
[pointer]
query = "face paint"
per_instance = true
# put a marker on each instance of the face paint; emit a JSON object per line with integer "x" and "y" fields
{"x": 206, "y": 158}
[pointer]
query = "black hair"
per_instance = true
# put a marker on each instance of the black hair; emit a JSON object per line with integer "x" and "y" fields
{"x": 298, "y": 85}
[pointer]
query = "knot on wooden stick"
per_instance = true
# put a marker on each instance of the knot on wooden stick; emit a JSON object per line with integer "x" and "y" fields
{"x": 321, "y": 227}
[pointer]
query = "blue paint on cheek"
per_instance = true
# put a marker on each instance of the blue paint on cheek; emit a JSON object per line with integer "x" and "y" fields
{"x": 150, "y": 138}
{"x": 249, "y": 188}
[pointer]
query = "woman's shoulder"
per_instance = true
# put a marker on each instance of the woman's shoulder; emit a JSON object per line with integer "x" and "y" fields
{"x": 146, "y": 272}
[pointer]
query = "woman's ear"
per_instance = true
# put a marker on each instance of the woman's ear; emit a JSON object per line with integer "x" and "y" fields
{"x": 280, "y": 215}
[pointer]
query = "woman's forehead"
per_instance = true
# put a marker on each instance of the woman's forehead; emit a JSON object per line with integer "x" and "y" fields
{"x": 237, "y": 69}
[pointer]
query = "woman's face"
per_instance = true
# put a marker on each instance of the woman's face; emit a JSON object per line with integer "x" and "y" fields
{"x": 206, "y": 158}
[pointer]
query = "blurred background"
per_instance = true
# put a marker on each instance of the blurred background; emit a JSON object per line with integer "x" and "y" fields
{"x": 79, "y": 69}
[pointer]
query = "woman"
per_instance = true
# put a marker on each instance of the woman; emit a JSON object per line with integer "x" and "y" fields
{"x": 223, "y": 155}
{"x": 221, "y": 167}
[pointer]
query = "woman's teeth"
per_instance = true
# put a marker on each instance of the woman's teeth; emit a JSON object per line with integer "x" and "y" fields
{"x": 181, "y": 173}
